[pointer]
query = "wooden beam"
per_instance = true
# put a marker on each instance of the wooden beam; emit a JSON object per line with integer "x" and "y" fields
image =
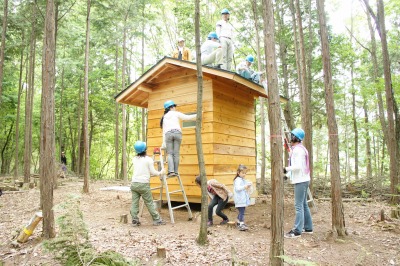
{"x": 144, "y": 87}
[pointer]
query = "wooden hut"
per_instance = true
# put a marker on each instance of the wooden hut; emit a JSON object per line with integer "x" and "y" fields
{"x": 228, "y": 129}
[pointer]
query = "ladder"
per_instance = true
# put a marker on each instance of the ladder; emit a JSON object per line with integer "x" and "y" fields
{"x": 285, "y": 139}
{"x": 164, "y": 184}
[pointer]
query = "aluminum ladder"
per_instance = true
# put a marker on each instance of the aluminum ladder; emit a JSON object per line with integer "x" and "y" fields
{"x": 164, "y": 184}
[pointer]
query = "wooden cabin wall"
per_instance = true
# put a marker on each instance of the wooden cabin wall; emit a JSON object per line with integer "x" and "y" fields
{"x": 234, "y": 132}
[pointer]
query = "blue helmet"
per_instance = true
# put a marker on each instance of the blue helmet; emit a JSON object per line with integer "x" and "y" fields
{"x": 140, "y": 146}
{"x": 225, "y": 11}
{"x": 168, "y": 104}
{"x": 250, "y": 59}
{"x": 298, "y": 133}
{"x": 212, "y": 35}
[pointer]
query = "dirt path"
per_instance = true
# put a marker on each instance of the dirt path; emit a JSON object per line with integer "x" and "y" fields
{"x": 368, "y": 243}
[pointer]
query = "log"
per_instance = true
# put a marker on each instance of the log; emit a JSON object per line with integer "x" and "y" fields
{"x": 123, "y": 218}
{"x": 231, "y": 225}
{"x": 30, "y": 227}
{"x": 161, "y": 252}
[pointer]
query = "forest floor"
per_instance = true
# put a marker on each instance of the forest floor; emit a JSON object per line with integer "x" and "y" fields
{"x": 369, "y": 242}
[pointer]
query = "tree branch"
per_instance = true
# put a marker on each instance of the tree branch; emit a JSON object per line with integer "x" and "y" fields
{"x": 352, "y": 35}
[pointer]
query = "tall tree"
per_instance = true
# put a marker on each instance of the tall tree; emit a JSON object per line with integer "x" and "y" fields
{"x": 124, "y": 114}
{"x": 16, "y": 156}
{"x": 338, "y": 223}
{"x": 202, "y": 237}
{"x": 47, "y": 124}
{"x": 116, "y": 140}
{"x": 274, "y": 116}
{"x": 86, "y": 103}
{"x": 29, "y": 98}
{"x": 262, "y": 102}
{"x": 3, "y": 45}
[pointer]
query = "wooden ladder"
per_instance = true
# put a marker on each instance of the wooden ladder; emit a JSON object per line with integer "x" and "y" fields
{"x": 164, "y": 184}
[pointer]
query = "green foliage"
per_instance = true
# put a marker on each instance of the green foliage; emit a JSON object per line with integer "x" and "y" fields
{"x": 72, "y": 247}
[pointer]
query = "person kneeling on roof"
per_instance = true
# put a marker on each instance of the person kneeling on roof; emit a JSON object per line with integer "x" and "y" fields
{"x": 244, "y": 69}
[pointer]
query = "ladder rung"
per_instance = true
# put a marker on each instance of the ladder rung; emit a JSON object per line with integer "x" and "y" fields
{"x": 175, "y": 191}
{"x": 180, "y": 206}
{"x": 154, "y": 188}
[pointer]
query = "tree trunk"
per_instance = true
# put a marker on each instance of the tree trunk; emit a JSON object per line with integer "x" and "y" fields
{"x": 202, "y": 237}
{"x": 47, "y": 124}
{"x": 390, "y": 100}
{"x": 16, "y": 156}
{"x": 3, "y": 46}
{"x": 305, "y": 94}
{"x": 116, "y": 140}
{"x": 338, "y": 223}
{"x": 124, "y": 131}
{"x": 29, "y": 100}
{"x": 86, "y": 103}
{"x": 79, "y": 132}
{"x": 274, "y": 116}
{"x": 262, "y": 103}
{"x": 367, "y": 141}
{"x": 4, "y": 162}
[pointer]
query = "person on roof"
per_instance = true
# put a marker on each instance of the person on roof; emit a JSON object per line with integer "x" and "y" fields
{"x": 244, "y": 69}
{"x": 181, "y": 52}
{"x": 211, "y": 51}
{"x": 225, "y": 32}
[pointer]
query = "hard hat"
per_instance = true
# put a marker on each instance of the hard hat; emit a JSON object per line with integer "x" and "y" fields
{"x": 250, "y": 58}
{"x": 298, "y": 133}
{"x": 168, "y": 104}
{"x": 140, "y": 146}
{"x": 213, "y": 35}
{"x": 180, "y": 39}
{"x": 225, "y": 11}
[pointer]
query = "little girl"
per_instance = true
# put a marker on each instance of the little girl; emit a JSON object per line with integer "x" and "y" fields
{"x": 241, "y": 195}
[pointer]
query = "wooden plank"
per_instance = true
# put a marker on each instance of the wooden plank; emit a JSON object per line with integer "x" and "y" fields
{"x": 235, "y": 92}
{"x": 225, "y": 107}
{"x": 232, "y": 120}
{"x": 166, "y": 92}
{"x": 222, "y": 159}
{"x": 145, "y": 87}
{"x": 157, "y": 114}
{"x": 225, "y": 130}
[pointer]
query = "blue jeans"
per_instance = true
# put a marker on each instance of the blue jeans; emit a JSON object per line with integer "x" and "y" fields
{"x": 217, "y": 200}
{"x": 303, "y": 215}
{"x": 241, "y": 213}
{"x": 173, "y": 140}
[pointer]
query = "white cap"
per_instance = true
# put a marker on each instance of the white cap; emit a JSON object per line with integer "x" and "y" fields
{"x": 180, "y": 39}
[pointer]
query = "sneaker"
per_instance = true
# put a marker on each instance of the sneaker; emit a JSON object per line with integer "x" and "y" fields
{"x": 135, "y": 222}
{"x": 170, "y": 174}
{"x": 292, "y": 234}
{"x": 159, "y": 222}
{"x": 310, "y": 232}
{"x": 177, "y": 174}
{"x": 243, "y": 227}
{"x": 224, "y": 222}
{"x": 209, "y": 223}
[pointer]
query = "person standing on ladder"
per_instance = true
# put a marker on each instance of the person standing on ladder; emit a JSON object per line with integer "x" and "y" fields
{"x": 143, "y": 167}
{"x": 299, "y": 174}
{"x": 172, "y": 134}
{"x": 225, "y": 31}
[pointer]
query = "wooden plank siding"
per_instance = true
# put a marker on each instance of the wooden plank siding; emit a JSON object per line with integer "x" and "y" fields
{"x": 228, "y": 130}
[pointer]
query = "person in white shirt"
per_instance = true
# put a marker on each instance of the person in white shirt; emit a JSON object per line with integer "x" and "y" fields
{"x": 225, "y": 32}
{"x": 143, "y": 167}
{"x": 211, "y": 51}
{"x": 172, "y": 134}
{"x": 299, "y": 173}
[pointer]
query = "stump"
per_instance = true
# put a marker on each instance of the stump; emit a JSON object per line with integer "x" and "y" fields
{"x": 395, "y": 213}
{"x": 28, "y": 230}
{"x": 231, "y": 225}
{"x": 161, "y": 252}
{"x": 123, "y": 218}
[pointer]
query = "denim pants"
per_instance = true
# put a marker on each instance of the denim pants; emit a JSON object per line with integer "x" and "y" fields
{"x": 217, "y": 200}
{"x": 303, "y": 215}
{"x": 173, "y": 140}
{"x": 240, "y": 216}
{"x": 142, "y": 189}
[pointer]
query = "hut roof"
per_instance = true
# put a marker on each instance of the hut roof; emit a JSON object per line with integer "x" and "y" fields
{"x": 168, "y": 68}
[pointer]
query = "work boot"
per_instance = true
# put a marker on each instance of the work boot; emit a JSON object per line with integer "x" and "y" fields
{"x": 135, "y": 222}
{"x": 159, "y": 222}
